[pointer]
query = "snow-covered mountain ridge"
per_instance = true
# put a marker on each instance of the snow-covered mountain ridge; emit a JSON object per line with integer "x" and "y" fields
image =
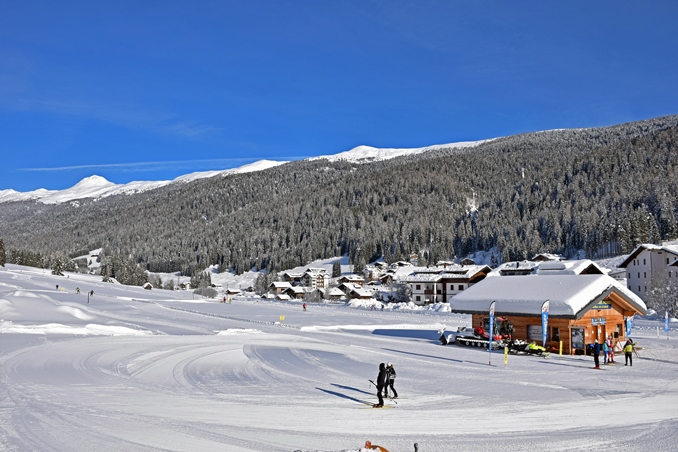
{"x": 99, "y": 187}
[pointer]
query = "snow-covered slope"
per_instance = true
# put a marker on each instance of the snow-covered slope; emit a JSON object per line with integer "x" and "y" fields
{"x": 99, "y": 187}
{"x": 367, "y": 153}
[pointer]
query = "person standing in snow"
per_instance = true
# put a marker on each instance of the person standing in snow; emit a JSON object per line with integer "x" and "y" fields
{"x": 606, "y": 350}
{"x": 628, "y": 352}
{"x": 596, "y": 354}
{"x": 381, "y": 383}
{"x": 304, "y": 306}
{"x": 390, "y": 379}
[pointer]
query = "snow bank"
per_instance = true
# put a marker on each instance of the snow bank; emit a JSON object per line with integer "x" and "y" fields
{"x": 409, "y": 306}
{"x": 7, "y": 326}
{"x": 232, "y": 331}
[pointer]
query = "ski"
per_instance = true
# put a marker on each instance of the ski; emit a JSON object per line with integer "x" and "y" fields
{"x": 390, "y": 398}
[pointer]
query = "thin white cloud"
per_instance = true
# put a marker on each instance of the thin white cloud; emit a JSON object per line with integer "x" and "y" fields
{"x": 133, "y": 167}
{"x": 137, "y": 167}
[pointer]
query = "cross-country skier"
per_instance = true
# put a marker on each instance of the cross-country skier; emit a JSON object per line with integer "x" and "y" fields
{"x": 381, "y": 383}
{"x": 390, "y": 379}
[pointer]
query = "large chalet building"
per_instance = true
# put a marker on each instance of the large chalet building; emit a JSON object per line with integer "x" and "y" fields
{"x": 439, "y": 284}
{"x": 651, "y": 265}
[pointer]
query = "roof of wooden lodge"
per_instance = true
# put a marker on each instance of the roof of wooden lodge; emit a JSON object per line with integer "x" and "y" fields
{"x": 570, "y": 296}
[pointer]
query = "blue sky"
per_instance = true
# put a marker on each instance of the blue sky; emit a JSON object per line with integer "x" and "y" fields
{"x": 150, "y": 90}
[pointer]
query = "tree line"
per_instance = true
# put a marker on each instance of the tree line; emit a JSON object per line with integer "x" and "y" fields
{"x": 601, "y": 191}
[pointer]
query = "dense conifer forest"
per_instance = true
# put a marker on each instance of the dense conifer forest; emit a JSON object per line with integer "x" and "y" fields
{"x": 601, "y": 190}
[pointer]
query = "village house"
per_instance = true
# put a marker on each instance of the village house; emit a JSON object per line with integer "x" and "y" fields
{"x": 351, "y": 279}
{"x": 648, "y": 266}
{"x": 315, "y": 278}
{"x": 544, "y": 257}
{"x": 334, "y": 294}
{"x": 232, "y": 291}
{"x": 439, "y": 285}
{"x": 294, "y": 278}
{"x": 360, "y": 293}
{"x": 278, "y": 287}
{"x": 296, "y": 292}
{"x": 581, "y": 308}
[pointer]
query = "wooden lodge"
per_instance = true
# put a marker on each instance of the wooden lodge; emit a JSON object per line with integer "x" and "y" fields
{"x": 582, "y": 308}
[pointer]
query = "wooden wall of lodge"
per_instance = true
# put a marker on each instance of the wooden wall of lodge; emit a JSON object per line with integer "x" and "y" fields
{"x": 614, "y": 322}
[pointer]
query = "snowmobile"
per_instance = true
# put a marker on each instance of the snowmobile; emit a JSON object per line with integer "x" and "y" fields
{"x": 480, "y": 336}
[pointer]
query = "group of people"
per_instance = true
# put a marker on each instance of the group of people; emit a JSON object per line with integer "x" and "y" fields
{"x": 608, "y": 352}
{"x": 77, "y": 290}
{"x": 385, "y": 380}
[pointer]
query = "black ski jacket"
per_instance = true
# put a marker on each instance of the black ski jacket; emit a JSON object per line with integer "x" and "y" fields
{"x": 381, "y": 378}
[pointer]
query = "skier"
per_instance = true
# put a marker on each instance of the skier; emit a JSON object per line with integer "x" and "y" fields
{"x": 390, "y": 379}
{"x": 628, "y": 352}
{"x": 77, "y": 290}
{"x": 381, "y": 383}
{"x": 596, "y": 354}
{"x": 610, "y": 353}
{"x": 304, "y": 306}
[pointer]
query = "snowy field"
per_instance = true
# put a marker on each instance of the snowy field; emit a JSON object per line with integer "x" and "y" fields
{"x": 139, "y": 370}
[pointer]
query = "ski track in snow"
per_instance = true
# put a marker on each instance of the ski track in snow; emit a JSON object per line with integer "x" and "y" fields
{"x": 289, "y": 386}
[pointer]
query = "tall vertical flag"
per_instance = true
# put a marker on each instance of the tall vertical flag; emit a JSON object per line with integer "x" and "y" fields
{"x": 666, "y": 324}
{"x": 544, "y": 321}
{"x": 491, "y": 329}
{"x": 629, "y": 325}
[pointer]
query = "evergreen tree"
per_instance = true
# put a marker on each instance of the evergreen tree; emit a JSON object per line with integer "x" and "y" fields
{"x": 336, "y": 269}
{"x": 3, "y": 256}
{"x": 58, "y": 266}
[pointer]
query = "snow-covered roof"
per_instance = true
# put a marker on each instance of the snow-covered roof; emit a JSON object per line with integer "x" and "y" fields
{"x": 546, "y": 257}
{"x": 522, "y": 267}
{"x": 280, "y": 284}
{"x": 352, "y": 277}
{"x": 363, "y": 293}
{"x": 568, "y": 295}
{"x": 434, "y": 274}
{"x": 673, "y": 249}
{"x": 573, "y": 267}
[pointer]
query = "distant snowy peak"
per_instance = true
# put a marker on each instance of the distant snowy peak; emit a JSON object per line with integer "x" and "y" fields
{"x": 92, "y": 182}
{"x": 99, "y": 187}
{"x": 364, "y": 154}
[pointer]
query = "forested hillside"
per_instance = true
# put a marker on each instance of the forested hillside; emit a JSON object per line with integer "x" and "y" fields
{"x": 598, "y": 190}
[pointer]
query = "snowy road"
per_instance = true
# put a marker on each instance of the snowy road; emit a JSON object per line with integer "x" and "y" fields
{"x": 192, "y": 375}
